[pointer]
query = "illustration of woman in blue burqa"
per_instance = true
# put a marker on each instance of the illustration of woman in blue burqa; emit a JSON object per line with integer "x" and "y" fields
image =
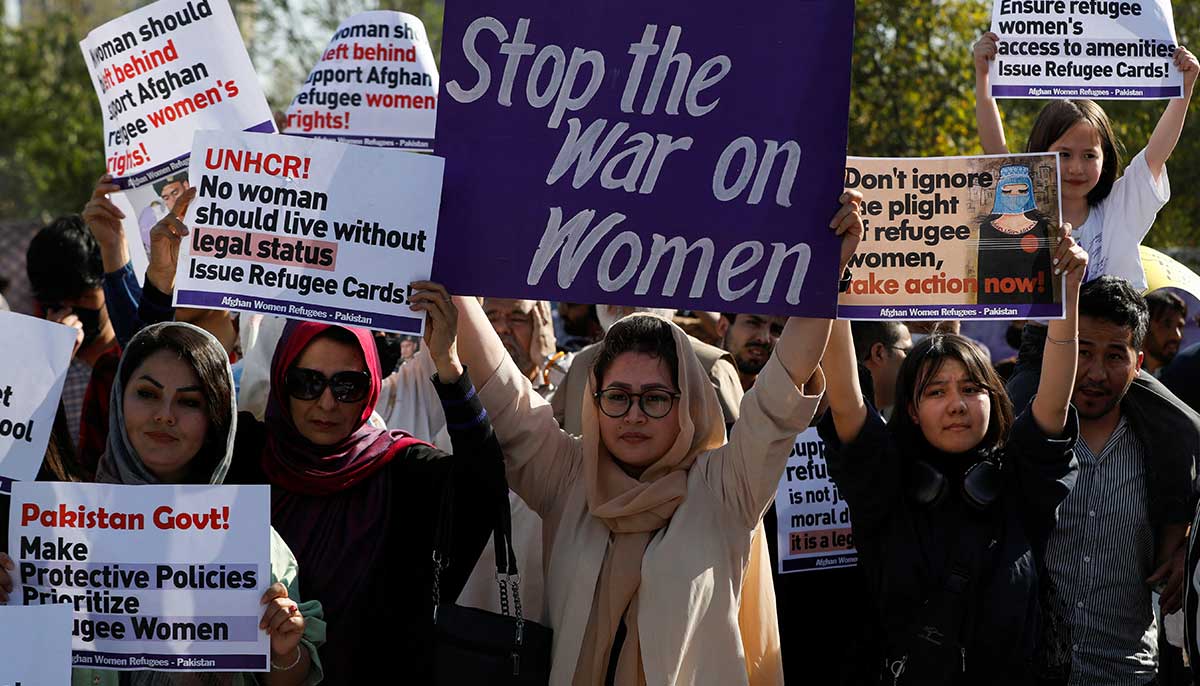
{"x": 1014, "y": 245}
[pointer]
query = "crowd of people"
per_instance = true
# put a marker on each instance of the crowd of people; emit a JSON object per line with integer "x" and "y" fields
{"x": 1014, "y": 520}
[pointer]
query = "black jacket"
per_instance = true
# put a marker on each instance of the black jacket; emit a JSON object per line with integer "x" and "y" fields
{"x": 907, "y": 550}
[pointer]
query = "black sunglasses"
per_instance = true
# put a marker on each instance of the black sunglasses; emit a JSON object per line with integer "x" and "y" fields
{"x": 309, "y": 384}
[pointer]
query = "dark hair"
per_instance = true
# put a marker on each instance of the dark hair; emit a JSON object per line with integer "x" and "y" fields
{"x": 1162, "y": 301}
{"x": 210, "y": 363}
{"x": 867, "y": 334}
{"x": 637, "y": 334}
{"x": 1112, "y": 299}
{"x": 63, "y": 261}
{"x": 1058, "y": 116}
{"x": 924, "y": 362}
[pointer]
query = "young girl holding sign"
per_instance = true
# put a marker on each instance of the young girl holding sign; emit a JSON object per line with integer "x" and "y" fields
{"x": 1113, "y": 214}
{"x": 173, "y": 421}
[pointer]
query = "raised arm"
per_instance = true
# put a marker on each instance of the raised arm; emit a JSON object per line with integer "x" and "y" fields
{"x": 541, "y": 459}
{"x": 1061, "y": 353}
{"x": 844, "y": 394}
{"x": 987, "y": 114}
{"x": 1170, "y": 124}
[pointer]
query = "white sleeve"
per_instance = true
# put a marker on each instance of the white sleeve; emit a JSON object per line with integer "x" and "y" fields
{"x": 1128, "y": 214}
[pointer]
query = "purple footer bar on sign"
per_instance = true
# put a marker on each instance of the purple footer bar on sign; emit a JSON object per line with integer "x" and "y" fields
{"x": 169, "y": 167}
{"x": 939, "y": 312}
{"x": 293, "y": 310}
{"x": 1113, "y": 92}
{"x": 166, "y": 663}
{"x": 372, "y": 141}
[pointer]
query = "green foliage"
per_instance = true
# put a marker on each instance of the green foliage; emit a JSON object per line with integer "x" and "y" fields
{"x": 51, "y": 148}
{"x": 914, "y": 95}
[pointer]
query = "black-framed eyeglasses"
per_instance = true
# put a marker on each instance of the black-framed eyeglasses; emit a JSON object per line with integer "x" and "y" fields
{"x": 309, "y": 384}
{"x": 615, "y": 402}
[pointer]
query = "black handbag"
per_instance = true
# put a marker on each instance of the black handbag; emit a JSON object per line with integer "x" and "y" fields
{"x": 480, "y": 648}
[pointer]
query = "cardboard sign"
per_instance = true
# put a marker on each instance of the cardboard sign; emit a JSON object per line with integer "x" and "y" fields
{"x": 1100, "y": 49}
{"x": 309, "y": 229}
{"x": 956, "y": 238}
{"x": 31, "y": 383}
{"x": 375, "y": 84}
{"x": 167, "y": 578}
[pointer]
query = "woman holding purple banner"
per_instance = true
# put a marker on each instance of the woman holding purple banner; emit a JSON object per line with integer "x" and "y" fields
{"x": 648, "y": 517}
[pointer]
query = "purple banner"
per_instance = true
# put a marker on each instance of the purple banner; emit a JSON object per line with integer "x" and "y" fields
{"x": 308, "y": 311}
{"x": 165, "y": 663}
{"x": 1094, "y": 92}
{"x": 940, "y": 312}
{"x": 808, "y": 564}
{"x": 658, "y": 154}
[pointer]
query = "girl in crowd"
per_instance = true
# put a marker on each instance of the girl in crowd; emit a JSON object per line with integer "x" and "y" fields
{"x": 648, "y": 516}
{"x": 953, "y": 500}
{"x": 358, "y": 504}
{"x": 1113, "y": 214}
{"x": 173, "y": 421}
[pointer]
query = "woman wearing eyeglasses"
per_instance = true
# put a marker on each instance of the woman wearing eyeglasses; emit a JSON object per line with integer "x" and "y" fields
{"x": 356, "y": 504}
{"x": 648, "y": 516}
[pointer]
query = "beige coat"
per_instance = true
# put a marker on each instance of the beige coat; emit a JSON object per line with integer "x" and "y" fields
{"x": 693, "y": 569}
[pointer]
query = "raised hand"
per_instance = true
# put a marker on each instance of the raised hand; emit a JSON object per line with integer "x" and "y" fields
{"x": 1070, "y": 259}
{"x": 985, "y": 51}
{"x": 1186, "y": 62}
{"x": 165, "y": 239}
{"x": 283, "y": 623}
{"x": 441, "y": 327}
{"x": 848, "y": 224}
{"x": 6, "y": 585}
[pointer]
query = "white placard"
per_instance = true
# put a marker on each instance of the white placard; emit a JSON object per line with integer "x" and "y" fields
{"x": 35, "y": 645}
{"x": 32, "y": 372}
{"x": 163, "y": 72}
{"x": 1105, "y": 49}
{"x": 309, "y": 229}
{"x": 813, "y": 529}
{"x": 159, "y": 577}
{"x": 375, "y": 84}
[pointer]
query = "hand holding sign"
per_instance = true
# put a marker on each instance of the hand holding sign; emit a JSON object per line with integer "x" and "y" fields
{"x": 1072, "y": 260}
{"x": 165, "y": 238}
{"x": 283, "y": 623}
{"x": 1186, "y": 62}
{"x": 441, "y": 329}
{"x": 103, "y": 219}
{"x": 848, "y": 224}
{"x": 985, "y": 53}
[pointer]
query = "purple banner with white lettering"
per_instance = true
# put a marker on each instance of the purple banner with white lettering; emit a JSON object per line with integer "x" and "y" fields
{"x": 649, "y": 153}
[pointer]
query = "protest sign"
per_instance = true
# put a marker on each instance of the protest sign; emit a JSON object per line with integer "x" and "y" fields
{"x": 161, "y": 73}
{"x": 308, "y": 229}
{"x": 35, "y": 645}
{"x": 955, "y": 238}
{"x": 31, "y": 382}
{"x": 1108, "y": 49}
{"x": 645, "y": 153}
{"x": 167, "y": 578}
{"x": 1163, "y": 271}
{"x": 813, "y": 529}
{"x": 375, "y": 84}
{"x": 164, "y": 71}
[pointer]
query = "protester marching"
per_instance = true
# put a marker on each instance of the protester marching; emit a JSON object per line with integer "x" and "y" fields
{"x": 584, "y": 345}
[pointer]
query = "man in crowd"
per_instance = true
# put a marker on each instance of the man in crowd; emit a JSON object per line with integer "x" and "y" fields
{"x": 1168, "y": 316}
{"x": 66, "y": 272}
{"x": 881, "y": 348}
{"x": 749, "y": 338}
{"x": 527, "y": 331}
{"x": 1119, "y": 532}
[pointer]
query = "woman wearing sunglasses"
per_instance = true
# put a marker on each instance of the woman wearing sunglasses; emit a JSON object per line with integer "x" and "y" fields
{"x": 357, "y": 504}
{"x": 648, "y": 516}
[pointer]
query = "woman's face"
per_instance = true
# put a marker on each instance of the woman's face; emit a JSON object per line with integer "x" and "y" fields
{"x": 324, "y": 420}
{"x": 953, "y": 411}
{"x": 166, "y": 415}
{"x": 1081, "y": 157}
{"x": 636, "y": 439}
